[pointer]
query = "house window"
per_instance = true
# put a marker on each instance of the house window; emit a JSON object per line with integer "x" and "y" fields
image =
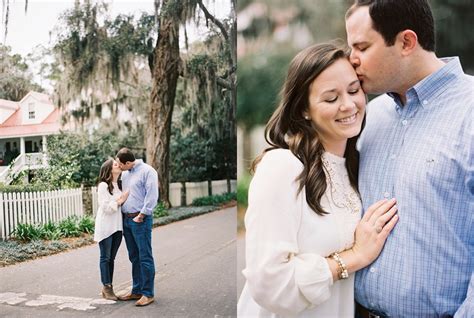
{"x": 31, "y": 111}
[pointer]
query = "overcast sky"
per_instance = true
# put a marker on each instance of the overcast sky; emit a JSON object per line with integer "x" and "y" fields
{"x": 25, "y": 31}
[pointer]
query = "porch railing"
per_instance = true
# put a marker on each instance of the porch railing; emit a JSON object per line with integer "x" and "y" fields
{"x": 22, "y": 162}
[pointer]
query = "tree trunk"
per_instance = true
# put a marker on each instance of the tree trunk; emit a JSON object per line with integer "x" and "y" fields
{"x": 160, "y": 112}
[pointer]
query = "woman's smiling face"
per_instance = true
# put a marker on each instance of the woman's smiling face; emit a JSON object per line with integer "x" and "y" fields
{"x": 336, "y": 104}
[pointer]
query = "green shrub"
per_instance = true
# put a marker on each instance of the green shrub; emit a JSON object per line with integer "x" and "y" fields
{"x": 214, "y": 199}
{"x": 86, "y": 225}
{"x": 24, "y": 188}
{"x": 72, "y": 226}
{"x": 50, "y": 227}
{"x": 50, "y": 231}
{"x": 51, "y": 235}
{"x": 160, "y": 210}
{"x": 69, "y": 227}
{"x": 27, "y": 232}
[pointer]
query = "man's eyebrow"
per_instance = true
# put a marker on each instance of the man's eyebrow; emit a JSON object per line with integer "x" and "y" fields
{"x": 359, "y": 43}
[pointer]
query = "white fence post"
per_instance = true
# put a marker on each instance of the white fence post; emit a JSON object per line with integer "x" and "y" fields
{"x": 2, "y": 216}
{"x": 95, "y": 202}
{"x": 175, "y": 193}
{"x": 10, "y": 214}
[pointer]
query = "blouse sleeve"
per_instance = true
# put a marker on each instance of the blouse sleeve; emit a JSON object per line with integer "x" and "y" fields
{"x": 107, "y": 202}
{"x": 279, "y": 277}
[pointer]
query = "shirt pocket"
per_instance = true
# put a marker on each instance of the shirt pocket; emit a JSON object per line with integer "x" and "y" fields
{"x": 440, "y": 166}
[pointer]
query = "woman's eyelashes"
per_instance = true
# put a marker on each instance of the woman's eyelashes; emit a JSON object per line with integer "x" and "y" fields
{"x": 333, "y": 99}
{"x": 354, "y": 91}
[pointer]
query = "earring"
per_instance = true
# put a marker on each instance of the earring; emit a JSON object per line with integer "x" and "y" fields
{"x": 307, "y": 117}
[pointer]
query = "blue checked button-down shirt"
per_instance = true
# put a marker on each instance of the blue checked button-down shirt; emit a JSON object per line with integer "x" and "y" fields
{"x": 142, "y": 182}
{"x": 422, "y": 154}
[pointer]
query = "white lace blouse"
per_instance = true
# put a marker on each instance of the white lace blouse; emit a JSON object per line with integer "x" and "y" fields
{"x": 287, "y": 242}
{"x": 109, "y": 215}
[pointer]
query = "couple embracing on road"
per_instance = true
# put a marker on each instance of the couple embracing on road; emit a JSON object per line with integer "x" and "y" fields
{"x": 127, "y": 195}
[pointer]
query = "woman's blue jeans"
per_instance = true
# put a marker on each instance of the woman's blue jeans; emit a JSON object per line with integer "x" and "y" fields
{"x": 108, "y": 250}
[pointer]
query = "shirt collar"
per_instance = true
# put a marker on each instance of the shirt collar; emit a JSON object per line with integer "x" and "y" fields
{"x": 429, "y": 88}
{"x": 138, "y": 162}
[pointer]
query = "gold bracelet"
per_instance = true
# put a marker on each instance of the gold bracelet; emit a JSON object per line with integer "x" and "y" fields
{"x": 342, "y": 268}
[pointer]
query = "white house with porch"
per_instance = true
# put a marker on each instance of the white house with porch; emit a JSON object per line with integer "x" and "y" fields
{"x": 24, "y": 127}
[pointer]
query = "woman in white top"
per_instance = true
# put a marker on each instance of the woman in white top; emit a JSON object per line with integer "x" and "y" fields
{"x": 108, "y": 222}
{"x": 304, "y": 236}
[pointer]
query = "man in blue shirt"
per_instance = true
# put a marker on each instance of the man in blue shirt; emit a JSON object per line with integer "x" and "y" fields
{"x": 141, "y": 180}
{"x": 418, "y": 147}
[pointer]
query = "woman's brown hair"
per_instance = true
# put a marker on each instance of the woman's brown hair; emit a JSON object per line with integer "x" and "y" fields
{"x": 287, "y": 128}
{"x": 105, "y": 175}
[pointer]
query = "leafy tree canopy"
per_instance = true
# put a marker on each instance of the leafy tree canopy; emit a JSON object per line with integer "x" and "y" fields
{"x": 16, "y": 80}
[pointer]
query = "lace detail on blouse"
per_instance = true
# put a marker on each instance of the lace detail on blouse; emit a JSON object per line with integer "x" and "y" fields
{"x": 341, "y": 192}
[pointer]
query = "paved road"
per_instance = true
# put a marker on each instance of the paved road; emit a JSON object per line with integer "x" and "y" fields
{"x": 195, "y": 261}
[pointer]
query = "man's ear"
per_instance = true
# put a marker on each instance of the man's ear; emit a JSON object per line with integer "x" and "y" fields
{"x": 407, "y": 41}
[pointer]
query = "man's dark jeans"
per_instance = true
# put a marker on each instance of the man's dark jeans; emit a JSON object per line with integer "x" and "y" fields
{"x": 108, "y": 250}
{"x": 138, "y": 240}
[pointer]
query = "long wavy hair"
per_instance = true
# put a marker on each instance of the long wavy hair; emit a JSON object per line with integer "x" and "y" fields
{"x": 105, "y": 175}
{"x": 288, "y": 129}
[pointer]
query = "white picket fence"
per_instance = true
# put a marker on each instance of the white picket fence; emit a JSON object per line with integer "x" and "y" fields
{"x": 193, "y": 190}
{"x": 37, "y": 208}
{"x": 198, "y": 189}
{"x": 41, "y": 207}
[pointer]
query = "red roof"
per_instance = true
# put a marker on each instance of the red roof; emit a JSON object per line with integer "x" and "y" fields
{"x": 12, "y": 127}
{"x": 29, "y": 130}
{"x": 13, "y": 120}
{"x": 53, "y": 117}
{"x": 9, "y": 104}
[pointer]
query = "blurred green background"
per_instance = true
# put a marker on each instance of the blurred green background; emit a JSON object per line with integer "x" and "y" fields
{"x": 270, "y": 32}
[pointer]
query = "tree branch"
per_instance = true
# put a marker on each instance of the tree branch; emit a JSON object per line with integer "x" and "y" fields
{"x": 213, "y": 19}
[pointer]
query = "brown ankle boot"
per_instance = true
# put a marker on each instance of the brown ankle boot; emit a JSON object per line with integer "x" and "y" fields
{"x": 108, "y": 292}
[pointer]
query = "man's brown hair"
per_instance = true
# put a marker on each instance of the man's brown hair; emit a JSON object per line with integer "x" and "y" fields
{"x": 390, "y": 17}
{"x": 125, "y": 155}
